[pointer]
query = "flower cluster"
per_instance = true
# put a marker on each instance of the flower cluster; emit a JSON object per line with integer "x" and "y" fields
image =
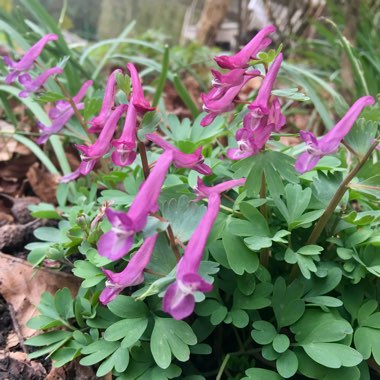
{"x": 264, "y": 116}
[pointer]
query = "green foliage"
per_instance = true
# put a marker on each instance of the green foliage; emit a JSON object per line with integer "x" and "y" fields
{"x": 283, "y": 305}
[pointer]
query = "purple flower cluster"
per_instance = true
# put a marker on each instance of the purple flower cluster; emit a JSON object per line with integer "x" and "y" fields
{"x": 264, "y": 116}
{"x": 179, "y": 298}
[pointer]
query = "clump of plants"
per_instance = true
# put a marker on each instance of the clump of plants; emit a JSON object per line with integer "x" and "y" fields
{"x": 208, "y": 249}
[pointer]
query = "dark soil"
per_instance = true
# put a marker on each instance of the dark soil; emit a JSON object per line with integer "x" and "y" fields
{"x": 5, "y": 323}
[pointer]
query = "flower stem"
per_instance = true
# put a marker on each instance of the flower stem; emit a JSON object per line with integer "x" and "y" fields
{"x": 222, "y": 367}
{"x": 144, "y": 159}
{"x": 320, "y": 225}
{"x": 264, "y": 254}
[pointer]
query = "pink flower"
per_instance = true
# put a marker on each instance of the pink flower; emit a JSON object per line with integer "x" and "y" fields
{"x": 249, "y": 51}
{"x": 27, "y": 61}
{"x": 264, "y": 118}
{"x": 125, "y": 146}
{"x": 97, "y": 123}
{"x": 226, "y": 88}
{"x": 179, "y": 299}
{"x": 117, "y": 242}
{"x": 142, "y": 105}
{"x": 329, "y": 143}
{"x": 132, "y": 275}
{"x": 62, "y": 113}
{"x": 91, "y": 154}
{"x": 32, "y": 85}
{"x": 203, "y": 191}
{"x": 194, "y": 161}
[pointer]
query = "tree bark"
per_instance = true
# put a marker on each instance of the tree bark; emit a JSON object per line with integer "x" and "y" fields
{"x": 213, "y": 14}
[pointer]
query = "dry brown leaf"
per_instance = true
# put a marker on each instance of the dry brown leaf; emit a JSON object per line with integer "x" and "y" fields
{"x": 22, "y": 286}
{"x": 43, "y": 183}
{"x": 72, "y": 371}
{"x": 16, "y": 366}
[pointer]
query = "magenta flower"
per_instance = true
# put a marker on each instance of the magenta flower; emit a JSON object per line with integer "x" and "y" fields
{"x": 249, "y": 51}
{"x": 203, "y": 191}
{"x": 226, "y": 88}
{"x": 125, "y": 146}
{"x": 132, "y": 275}
{"x": 329, "y": 143}
{"x": 179, "y": 299}
{"x": 62, "y": 113}
{"x": 194, "y": 161}
{"x": 27, "y": 61}
{"x": 260, "y": 106}
{"x": 142, "y": 105}
{"x": 91, "y": 154}
{"x": 32, "y": 85}
{"x": 97, "y": 123}
{"x": 264, "y": 118}
{"x": 117, "y": 242}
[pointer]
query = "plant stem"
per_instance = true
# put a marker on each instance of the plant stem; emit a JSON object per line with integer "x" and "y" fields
{"x": 144, "y": 159}
{"x": 173, "y": 244}
{"x": 72, "y": 104}
{"x": 222, "y": 367}
{"x": 320, "y": 225}
{"x": 264, "y": 254}
{"x": 146, "y": 170}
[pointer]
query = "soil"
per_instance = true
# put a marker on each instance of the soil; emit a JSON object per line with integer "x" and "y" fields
{"x": 5, "y": 323}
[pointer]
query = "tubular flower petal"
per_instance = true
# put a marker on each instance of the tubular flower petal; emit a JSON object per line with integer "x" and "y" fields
{"x": 32, "y": 85}
{"x": 91, "y": 154}
{"x": 97, "y": 123}
{"x": 125, "y": 146}
{"x": 260, "y": 106}
{"x": 27, "y": 61}
{"x": 142, "y": 105}
{"x": 203, "y": 191}
{"x": 329, "y": 143}
{"x": 179, "y": 299}
{"x": 117, "y": 242}
{"x": 221, "y": 97}
{"x": 249, "y": 51}
{"x": 264, "y": 118}
{"x": 62, "y": 113}
{"x": 132, "y": 275}
{"x": 194, "y": 161}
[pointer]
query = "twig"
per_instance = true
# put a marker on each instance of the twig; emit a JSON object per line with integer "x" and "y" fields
{"x": 320, "y": 225}
{"x": 17, "y": 327}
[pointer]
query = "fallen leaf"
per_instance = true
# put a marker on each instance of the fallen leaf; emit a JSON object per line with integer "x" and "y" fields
{"x": 43, "y": 183}
{"x": 72, "y": 371}
{"x": 22, "y": 285}
{"x": 15, "y": 365}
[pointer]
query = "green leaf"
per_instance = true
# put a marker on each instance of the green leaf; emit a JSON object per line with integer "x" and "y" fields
{"x": 333, "y": 355}
{"x": 367, "y": 342}
{"x": 98, "y": 351}
{"x": 130, "y": 330}
{"x": 287, "y": 364}
{"x": 64, "y": 303}
{"x": 127, "y": 307}
{"x": 261, "y": 374}
{"x": 287, "y": 304}
{"x": 264, "y": 332}
{"x": 46, "y": 97}
{"x": 281, "y": 343}
{"x": 171, "y": 337}
{"x": 239, "y": 257}
{"x": 318, "y": 326}
{"x": 183, "y": 216}
{"x": 48, "y": 338}
{"x": 42, "y": 322}
{"x": 257, "y": 300}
